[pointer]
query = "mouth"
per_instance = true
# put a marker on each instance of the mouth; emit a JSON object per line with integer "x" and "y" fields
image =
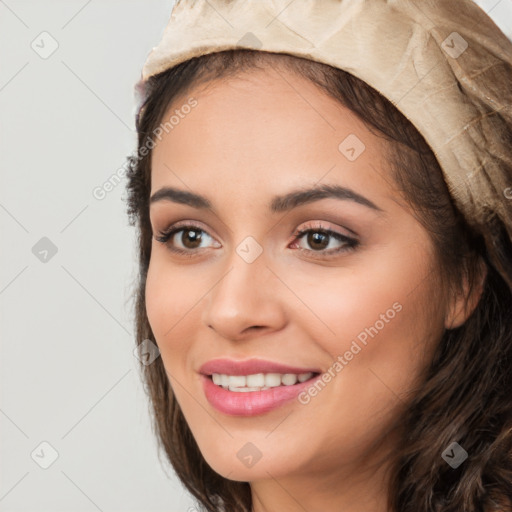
{"x": 254, "y": 394}
{"x": 253, "y": 386}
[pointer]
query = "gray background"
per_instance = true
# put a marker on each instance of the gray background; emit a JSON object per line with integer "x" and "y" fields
{"x": 68, "y": 374}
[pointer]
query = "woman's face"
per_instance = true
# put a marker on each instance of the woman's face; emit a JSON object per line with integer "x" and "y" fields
{"x": 247, "y": 287}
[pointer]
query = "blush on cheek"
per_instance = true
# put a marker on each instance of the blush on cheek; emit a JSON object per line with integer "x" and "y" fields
{"x": 171, "y": 316}
{"x": 160, "y": 307}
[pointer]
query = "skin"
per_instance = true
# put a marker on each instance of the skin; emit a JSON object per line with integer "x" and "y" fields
{"x": 251, "y": 137}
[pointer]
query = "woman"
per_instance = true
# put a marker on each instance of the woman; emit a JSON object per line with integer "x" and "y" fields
{"x": 322, "y": 196}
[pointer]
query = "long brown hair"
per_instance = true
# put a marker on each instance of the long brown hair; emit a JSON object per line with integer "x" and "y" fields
{"x": 466, "y": 395}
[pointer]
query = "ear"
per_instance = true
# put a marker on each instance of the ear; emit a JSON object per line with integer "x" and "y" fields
{"x": 465, "y": 302}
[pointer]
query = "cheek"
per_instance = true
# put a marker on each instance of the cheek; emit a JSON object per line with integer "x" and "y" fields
{"x": 352, "y": 311}
{"x": 170, "y": 298}
{"x": 382, "y": 342}
{"x": 379, "y": 314}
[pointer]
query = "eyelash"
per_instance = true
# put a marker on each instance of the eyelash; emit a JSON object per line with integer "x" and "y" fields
{"x": 350, "y": 243}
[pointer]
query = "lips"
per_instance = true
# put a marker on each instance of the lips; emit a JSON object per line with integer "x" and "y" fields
{"x": 252, "y": 402}
{"x": 250, "y": 367}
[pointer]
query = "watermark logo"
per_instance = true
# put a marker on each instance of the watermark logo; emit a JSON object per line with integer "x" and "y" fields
{"x": 44, "y": 455}
{"x": 249, "y": 455}
{"x": 249, "y": 249}
{"x": 454, "y": 455}
{"x": 454, "y": 45}
{"x": 44, "y": 250}
{"x": 351, "y": 147}
{"x": 45, "y": 45}
{"x": 146, "y": 352}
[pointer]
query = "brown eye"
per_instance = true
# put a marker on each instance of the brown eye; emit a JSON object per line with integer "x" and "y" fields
{"x": 188, "y": 243}
{"x": 190, "y": 239}
{"x": 318, "y": 239}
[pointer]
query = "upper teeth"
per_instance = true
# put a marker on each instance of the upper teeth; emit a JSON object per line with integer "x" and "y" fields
{"x": 258, "y": 381}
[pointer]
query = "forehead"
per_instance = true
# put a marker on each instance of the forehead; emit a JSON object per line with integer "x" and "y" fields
{"x": 263, "y": 125}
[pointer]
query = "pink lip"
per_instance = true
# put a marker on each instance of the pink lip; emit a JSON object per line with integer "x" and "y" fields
{"x": 250, "y": 367}
{"x": 251, "y": 403}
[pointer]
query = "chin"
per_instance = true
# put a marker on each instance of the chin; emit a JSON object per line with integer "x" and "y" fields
{"x": 240, "y": 467}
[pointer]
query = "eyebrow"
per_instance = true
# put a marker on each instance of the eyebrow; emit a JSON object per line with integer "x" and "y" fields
{"x": 278, "y": 204}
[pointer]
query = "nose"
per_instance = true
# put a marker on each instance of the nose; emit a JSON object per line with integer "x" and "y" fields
{"x": 245, "y": 301}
